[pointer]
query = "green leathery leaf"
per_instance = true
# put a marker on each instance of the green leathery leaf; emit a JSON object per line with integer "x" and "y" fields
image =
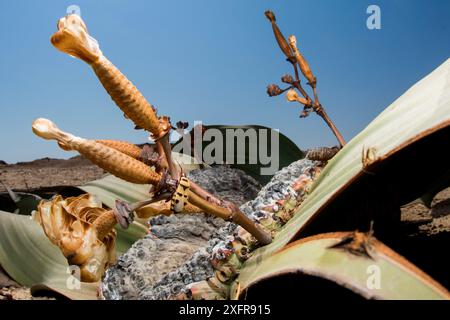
{"x": 321, "y": 256}
{"x": 288, "y": 150}
{"x": 126, "y": 237}
{"x": 22, "y": 202}
{"x": 32, "y": 260}
{"x": 421, "y": 111}
{"x": 110, "y": 188}
{"x": 186, "y": 162}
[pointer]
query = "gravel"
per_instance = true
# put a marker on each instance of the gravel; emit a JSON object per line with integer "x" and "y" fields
{"x": 192, "y": 239}
{"x": 176, "y": 239}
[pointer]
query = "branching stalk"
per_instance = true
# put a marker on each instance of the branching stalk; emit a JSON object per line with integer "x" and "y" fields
{"x": 296, "y": 58}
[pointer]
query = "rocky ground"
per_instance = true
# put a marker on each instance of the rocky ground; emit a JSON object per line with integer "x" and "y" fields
{"x": 48, "y": 172}
{"x": 171, "y": 279}
{"x": 429, "y": 221}
{"x": 177, "y": 239}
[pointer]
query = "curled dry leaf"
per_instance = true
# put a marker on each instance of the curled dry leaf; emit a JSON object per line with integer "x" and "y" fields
{"x": 77, "y": 226}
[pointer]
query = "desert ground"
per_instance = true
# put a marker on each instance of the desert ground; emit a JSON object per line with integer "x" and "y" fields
{"x": 419, "y": 220}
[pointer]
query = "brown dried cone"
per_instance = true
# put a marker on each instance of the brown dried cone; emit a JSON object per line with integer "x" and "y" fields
{"x": 274, "y": 90}
{"x": 72, "y": 38}
{"x": 113, "y": 161}
{"x": 287, "y": 78}
{"x": 77, "y": 225}
{"x": 129, "y": 149}
{"x": 284, "y": 46}
{"x": 84, "y": 231}
{"x": 302, "y": 63}
{"x": 306, "y": 71}
{"x": 322, "y": 153}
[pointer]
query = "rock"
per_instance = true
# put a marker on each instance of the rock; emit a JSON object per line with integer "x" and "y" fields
{"x": 165, "y": 280}
{"x": 20, "y": 293}
{"x": 145, "y": 263}
{"x": 226, "y": 183}
{"x": 176, "y": 239}
{"x": 189, "y": 240}
{"x": 198, "y": 268}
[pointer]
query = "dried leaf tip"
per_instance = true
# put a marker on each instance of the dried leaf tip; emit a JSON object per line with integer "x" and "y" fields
{"x": 270, "y": 15}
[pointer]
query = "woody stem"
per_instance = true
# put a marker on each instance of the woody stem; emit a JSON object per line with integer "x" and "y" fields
{"x": 236, "y": 216}
{"x": 204, "y": 194}
{"x": 136, "y": 205}
{"x": 160, "y": 150}
{"x": 165, "y": 143}
{"x": 212, "y": 205}
{"x": 316, "y": 105}
{"x": 297, "y": 82}
{"x": 321, "y": 112}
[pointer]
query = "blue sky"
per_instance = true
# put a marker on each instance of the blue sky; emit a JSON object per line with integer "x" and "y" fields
{"x": 211, "y": 61}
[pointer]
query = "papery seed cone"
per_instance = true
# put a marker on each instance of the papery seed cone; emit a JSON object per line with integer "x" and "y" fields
{"x": 302, "y": 63}
{"x": 284, "y": 46}
{"x": 129, "y": 149}
{"x": 127, "y": 97}
{"x": 72, "y": 38}
{"x": 72, "y": 225}
{"x": 117, "y": 163}
{"x": 104, "y": 224}
{"x": 109, "y": 159}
